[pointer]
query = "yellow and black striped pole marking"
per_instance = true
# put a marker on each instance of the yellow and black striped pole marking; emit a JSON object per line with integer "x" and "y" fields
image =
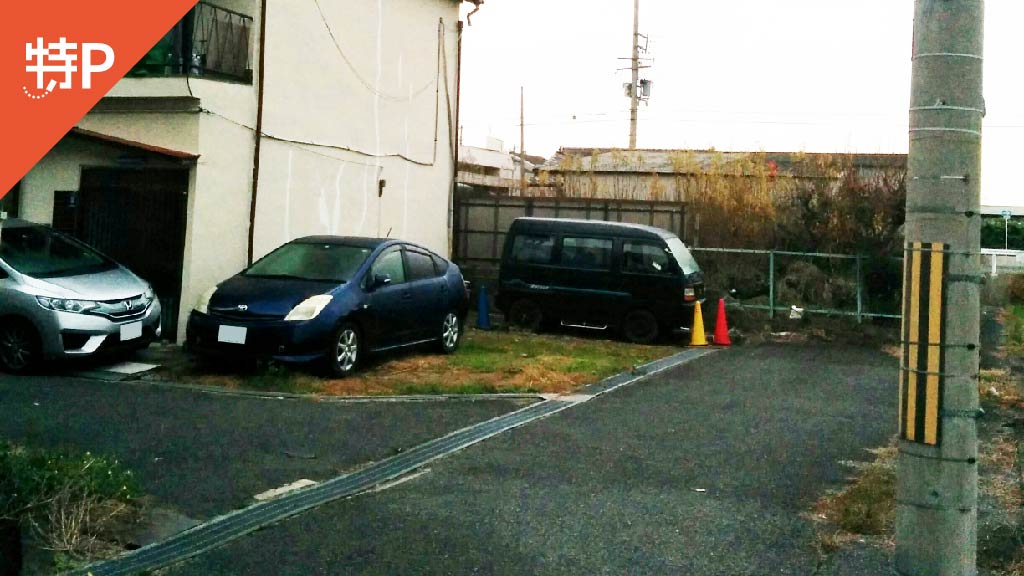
{"x": 922, "y": 363}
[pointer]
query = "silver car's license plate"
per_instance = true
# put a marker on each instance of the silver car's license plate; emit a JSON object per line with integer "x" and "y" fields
{"x": 231, "y": 334}
{"x": 131, "y": 331}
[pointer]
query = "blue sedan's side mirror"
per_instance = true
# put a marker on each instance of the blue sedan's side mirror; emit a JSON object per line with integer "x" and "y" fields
{"x": 380, "y": 280}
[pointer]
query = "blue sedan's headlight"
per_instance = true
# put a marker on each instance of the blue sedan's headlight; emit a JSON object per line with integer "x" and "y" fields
{"x": 309, "y": 308}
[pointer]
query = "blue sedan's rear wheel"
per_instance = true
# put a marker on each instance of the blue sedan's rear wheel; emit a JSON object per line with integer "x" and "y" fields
{"x": 451, "y": 333}
{"x": 346, "y": 350}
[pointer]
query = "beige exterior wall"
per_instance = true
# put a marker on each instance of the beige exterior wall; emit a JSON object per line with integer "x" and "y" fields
{"x": 337, "y": 119}
{"x": 374, "y": 102}
{"x": 216, "y": 239}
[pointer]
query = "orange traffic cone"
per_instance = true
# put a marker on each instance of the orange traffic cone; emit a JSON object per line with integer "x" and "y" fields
{"x": 697, "y": 337}
{"x": 721, "y": 327}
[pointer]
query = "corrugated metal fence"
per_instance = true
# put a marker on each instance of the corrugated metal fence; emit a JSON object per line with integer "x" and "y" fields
{"x": 481, "y": 223}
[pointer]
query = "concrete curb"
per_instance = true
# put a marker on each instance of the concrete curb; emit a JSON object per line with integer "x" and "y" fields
{"x": 595, "y": 388}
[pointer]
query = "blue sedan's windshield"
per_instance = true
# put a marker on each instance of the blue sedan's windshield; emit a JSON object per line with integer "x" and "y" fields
{"x": 308, "y": 261}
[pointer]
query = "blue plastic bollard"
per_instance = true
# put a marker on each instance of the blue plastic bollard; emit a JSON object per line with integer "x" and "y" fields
{"x": 483, "y": 310}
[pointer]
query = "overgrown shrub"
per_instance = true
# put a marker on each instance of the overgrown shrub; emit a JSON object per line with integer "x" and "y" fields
{"x": 65, "y": 498}
{"x": 1015, "y": 289}
{"x": 802, "y": 283}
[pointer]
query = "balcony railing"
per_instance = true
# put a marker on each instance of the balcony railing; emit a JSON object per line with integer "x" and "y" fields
{"x": 209, "y": 41}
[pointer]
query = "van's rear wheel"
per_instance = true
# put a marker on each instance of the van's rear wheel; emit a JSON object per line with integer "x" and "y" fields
{"x": 640, "y": 327}
{"x": 525, "y": 314}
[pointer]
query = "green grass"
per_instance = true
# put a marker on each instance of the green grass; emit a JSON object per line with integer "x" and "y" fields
{"x": 510, "y": 352}
{"x": 1015, "y": 325}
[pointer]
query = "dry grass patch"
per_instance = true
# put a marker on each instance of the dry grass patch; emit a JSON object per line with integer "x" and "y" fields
{"x": 999, "y": 459}
{"x": 487, "y": 362}
{"x": 1000, "y": 386}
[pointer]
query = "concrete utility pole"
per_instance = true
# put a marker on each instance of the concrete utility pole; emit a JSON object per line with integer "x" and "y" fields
{"x": 522, "y": 145}
{"x": 937, "y": 485}
{"x": 634, "y": 98}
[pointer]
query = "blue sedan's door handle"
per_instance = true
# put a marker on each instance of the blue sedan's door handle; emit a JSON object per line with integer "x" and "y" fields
{"x": 406, "y": 295}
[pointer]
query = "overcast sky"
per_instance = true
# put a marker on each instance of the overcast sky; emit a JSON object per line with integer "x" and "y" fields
{"x": 779, "y": 75}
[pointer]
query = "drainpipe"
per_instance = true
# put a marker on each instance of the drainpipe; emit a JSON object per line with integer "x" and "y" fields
{"x": 259, "y": 128}
{"x": 455, "y": 167}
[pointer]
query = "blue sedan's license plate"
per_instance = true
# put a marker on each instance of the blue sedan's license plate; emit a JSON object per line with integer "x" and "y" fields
{"x": 231, "y": 334}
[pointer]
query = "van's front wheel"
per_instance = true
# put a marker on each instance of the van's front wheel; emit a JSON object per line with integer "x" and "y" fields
{"x": 525, "y": 314}
{"x": 640, "y": 327}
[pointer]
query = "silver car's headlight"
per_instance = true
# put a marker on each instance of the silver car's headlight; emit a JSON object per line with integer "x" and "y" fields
{"x": 67, "y": 305}
{"x": 204, "y": 301}
{"x": 148, "y": 296}
{"x": 309, "y": 308}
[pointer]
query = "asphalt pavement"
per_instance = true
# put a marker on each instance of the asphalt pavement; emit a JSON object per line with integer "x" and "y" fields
{"x": 705, "y": 469}
{"x": 207, "y": 454}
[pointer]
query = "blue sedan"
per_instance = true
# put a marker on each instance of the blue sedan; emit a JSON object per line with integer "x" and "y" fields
{"x": 333, "y": 298}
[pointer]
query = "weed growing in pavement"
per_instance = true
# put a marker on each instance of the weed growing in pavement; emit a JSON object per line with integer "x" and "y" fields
{"x": 868, "y": 504}
{"x": 467, "y": 388}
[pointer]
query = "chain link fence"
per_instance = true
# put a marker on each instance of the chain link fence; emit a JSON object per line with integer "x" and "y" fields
{"x": 813, "y": 282}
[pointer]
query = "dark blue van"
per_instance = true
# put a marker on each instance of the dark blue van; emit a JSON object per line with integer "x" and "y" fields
{"x": 638, "y": 280}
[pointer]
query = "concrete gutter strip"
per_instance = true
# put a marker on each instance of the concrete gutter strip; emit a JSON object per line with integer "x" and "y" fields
{"x": 233, "y": 525}
{"x": 329, "y": 399}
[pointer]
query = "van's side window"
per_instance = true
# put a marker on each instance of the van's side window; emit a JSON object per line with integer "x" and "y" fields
{"x": 533, "y": 249}
{"x": 587, "y": 253}
{"x": 644, "y": 258}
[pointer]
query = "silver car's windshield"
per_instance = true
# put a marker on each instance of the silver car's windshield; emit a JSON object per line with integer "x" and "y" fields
{"x": 40, "y": 252}
{"x": 308, "y": 261}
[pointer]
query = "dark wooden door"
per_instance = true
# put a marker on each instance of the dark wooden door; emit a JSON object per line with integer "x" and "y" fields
{"x": 138, "y": 218}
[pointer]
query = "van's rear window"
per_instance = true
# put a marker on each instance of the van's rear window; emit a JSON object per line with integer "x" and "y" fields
{"x": 533, "y": 249}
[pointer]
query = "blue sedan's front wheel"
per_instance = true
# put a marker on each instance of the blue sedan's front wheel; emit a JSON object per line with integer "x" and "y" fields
{"x": 346, "y": 350}
{"x": 451, "y": 332}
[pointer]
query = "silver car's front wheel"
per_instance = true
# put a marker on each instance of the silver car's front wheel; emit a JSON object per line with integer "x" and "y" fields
{"x": 451, "y": 333}
{"x": 346, "y": 350}
{"x": 19, "y": 346}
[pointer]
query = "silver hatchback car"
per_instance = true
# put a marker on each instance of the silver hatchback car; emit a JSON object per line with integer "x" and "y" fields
{"x": 61, "y": 299}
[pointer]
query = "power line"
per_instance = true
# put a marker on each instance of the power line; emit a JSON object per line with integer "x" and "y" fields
{"x": 373, "y": 89}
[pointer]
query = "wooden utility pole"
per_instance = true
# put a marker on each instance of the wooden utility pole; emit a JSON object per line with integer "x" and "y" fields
{"x": 634, "y": 97}
{"x": 522, "y": 145}
{"x": 937, "y": 479}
